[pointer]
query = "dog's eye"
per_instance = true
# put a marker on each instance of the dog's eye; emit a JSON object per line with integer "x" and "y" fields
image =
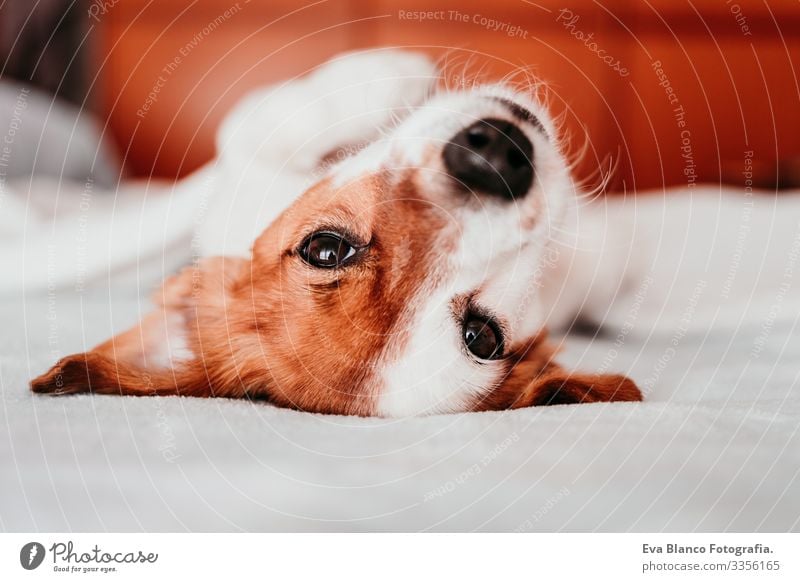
{"x": 483, "y": 338}
{"x": 326, "y": 250}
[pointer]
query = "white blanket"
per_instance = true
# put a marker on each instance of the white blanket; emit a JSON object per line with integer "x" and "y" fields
{"x": 715, "y": 447}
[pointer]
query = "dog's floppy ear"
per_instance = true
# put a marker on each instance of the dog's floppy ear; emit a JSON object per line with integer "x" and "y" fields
{"x": 162, "y": 354}
{"x": 558, "y": 386}
{"x": 93, "y": 371}
{"x": 535, "y": 379}
{"x": 561, "y": 387}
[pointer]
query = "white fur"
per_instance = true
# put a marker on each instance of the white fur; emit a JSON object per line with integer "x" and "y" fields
{"x": 434, "y": 374}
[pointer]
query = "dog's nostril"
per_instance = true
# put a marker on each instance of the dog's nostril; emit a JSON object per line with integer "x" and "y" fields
{"x": 516, "y": 158}
{"x": 476, "y": 137}
{"x": 491, "y": 156}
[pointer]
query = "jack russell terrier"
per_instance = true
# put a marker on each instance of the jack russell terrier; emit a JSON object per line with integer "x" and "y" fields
{"x": 442, "y": 236}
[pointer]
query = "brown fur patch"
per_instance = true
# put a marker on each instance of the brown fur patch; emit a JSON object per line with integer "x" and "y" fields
{"x": 275, "y": 327}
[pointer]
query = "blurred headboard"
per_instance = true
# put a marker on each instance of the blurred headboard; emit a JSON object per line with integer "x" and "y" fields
{"x": 668, "y": 92}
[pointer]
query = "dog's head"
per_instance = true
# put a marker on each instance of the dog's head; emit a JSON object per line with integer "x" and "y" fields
{"x": 405, "y": 282}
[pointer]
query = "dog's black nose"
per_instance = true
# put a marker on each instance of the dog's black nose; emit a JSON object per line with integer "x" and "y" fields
{"x": 492, "y": 156}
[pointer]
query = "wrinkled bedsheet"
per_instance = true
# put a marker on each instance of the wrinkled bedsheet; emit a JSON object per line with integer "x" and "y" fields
{"x": 716, "y": 446}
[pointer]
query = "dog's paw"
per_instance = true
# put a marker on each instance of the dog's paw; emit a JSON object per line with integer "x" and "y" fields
{"x": 376, "y": 80}
{"x": 345, "y": 101}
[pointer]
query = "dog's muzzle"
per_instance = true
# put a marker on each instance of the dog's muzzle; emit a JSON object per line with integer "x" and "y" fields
{"x": 491, "y": 156}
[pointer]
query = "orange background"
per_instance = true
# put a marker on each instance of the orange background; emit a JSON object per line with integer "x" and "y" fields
{"x": 740, "y": 92}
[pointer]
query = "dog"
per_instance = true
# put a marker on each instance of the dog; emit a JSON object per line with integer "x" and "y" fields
{"x": 418, "y": 274}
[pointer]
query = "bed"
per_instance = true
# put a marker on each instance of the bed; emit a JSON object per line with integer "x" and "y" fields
{"x": 715, "y": 446}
